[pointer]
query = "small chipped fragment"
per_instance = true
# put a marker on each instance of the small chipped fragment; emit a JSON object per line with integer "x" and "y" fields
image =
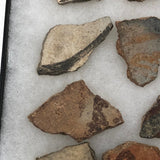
{"x": 77, "y": 152}
{"x": 137, "y": 0}
{"x": 151, "y": 122}
{"x": 67, "y": 47}
{"x": 70, "y": 1}
{"x": 77, "y": 112}
{"x": 139, "y": 45}
{"x": 133, "y": 151}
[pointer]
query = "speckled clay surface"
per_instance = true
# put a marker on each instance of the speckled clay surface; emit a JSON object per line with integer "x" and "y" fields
{"x": 78, "y": 152}
{"x": 76, "y": 111}
{"x": 151, "y": 122}
{"x": 139, "y": 45}
{"x": 133, "y": 151}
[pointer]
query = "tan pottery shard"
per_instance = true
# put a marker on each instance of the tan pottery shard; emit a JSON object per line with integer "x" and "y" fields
{"x": 77, "y": 152}
{"x": 132, "y": 151}
{"x": 67, "y": 47}
{"x": 70, "y": 1}
{"x": 77, "y": 112}
{"x": 151, "y": 122}
{"x": 139, "y": 45}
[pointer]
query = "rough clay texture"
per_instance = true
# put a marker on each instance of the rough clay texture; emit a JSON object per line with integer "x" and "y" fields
{"x": 151, "y": 122}
{"x": 139, "y": 45}
{"x": 133, "y": 151}
{"x": 77, "y": 152}
{"x": 67, "y": 47}
{"x": 76, "y": 111}
{"x": 69, "y": 1}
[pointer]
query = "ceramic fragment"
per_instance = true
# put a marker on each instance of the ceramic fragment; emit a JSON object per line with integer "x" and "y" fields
{"x": 67, "y": 47}
{"x": 151, "y": 122}
{"x": 133, "y": 151}
{"x": 139, "y": 45}
{"x": 77, "y": 112}
{"x": 77, "y": 152}
{"x": 70, "y": 1}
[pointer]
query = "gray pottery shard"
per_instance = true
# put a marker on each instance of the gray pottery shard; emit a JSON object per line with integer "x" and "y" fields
{"x": 70, "y": 1}
{"x": 151, "y": 122}
{"x": 139, "y": 45}
{"x": 77, "y": 112}
{"x": 67, "y": 47}
{"x": 77, "y": 152}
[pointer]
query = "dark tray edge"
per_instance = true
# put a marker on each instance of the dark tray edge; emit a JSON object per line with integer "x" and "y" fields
{"x": 4, "y": 57}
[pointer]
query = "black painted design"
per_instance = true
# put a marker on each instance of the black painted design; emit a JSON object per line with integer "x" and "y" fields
{"x": 63, "y": 67}
{"x": 99, "y": 122}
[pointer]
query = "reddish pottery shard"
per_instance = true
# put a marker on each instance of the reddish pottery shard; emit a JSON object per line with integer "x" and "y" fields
{"x": 139, "y": 45}
{"x": 151, "y": 122}
{"x": 77, "y": 152}
{"x": 77, "y": 112}
{"x": 133, "y": 151}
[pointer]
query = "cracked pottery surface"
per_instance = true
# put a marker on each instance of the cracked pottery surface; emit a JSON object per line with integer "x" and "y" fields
{"x": 67, "y": 47}
{"x": 77, "y": 112}
{"x": 139, "y": 45}
{"x": 151, "y": 122}
{"x": 77, "y": 152}
{"x": 133, "y": 151}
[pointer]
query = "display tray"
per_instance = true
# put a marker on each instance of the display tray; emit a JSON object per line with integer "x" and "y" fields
{"x": 104, "y": 73}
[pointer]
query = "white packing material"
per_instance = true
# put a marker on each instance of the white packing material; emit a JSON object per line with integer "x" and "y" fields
{"x": 104, "y": 73}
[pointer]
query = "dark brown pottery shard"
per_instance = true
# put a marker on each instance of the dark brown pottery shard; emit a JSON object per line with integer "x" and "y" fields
{"x": 151, "y": 122}
{"x": 139, "y": 45}
{"x": 133, "y": 151}
{"x": 70, "y": 1}
{"x": 67, "y": 47}
{"x": 77, "y": 112}
{"x": 77, "y": 152}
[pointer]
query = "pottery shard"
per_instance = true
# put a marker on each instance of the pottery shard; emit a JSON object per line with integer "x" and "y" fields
{"x": 133, "y": 151}
{"x": 139, "y": 45}
{"x": 69, "y": 1}
{"x": 151, "y": 122}
{"x": 77, "y": 112}
{"x": 137, "y": 0}
{"x": 77, "y": 152}
{"x": 68, "y": 47}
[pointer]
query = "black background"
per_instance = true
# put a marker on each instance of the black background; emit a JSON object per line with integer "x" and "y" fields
{"x": 4, "y": 57}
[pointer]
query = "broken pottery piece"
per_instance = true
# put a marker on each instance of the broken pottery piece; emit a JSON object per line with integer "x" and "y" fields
{"x": 77, "y": 152}
{"x": 77, "y": 112}
{"x": 132, "y": 151}
{"x": 67, "y": 47}
{"x": 137, "y": 0}
{"x": 70, "y": 1}
{"x": 139, "y": 45}
{"x": 151, "y": 122}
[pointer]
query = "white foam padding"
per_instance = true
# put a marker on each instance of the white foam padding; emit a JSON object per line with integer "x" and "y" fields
{"x": 104, "y": 73}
